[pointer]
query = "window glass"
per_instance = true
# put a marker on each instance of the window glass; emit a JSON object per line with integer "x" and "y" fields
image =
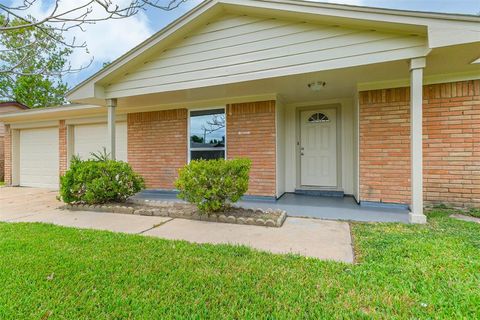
{"x": 207, "y": 134}
{"x": 207, "y": 154}
{"x": 318, "y": 117}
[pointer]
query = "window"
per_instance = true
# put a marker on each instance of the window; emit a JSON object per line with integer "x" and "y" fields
{"x": 318, "y": 117}
{"x": 207, "y": 134}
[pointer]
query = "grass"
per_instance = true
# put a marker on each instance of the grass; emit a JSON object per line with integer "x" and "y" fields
{"x": 404, "y": 271}
{"x": 2, "y": 183}
{"x": 474, "y": 213}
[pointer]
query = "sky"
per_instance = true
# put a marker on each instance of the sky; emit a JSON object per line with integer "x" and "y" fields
{"x": 107, "y": 40}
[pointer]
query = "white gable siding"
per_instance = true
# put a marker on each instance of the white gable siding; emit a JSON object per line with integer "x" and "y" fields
{"x": 240, "y": 48}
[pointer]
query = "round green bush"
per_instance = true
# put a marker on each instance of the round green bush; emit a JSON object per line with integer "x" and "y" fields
{"x": 213, "y": 184}
{"x": 99, "y": 181}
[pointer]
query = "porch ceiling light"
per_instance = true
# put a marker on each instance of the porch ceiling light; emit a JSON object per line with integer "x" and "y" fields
{"x": 317, "y": 85}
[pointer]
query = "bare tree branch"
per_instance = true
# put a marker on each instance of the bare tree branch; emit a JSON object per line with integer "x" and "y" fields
{"x": 216, "y": 123}
{"x": 82, "y": 13}
{"x": 62, "y": 19}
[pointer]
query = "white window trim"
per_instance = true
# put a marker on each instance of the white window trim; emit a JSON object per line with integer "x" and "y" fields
{"x": 188, "y": 131}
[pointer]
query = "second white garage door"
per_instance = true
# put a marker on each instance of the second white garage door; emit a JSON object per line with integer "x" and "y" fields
{"x": 39, "y": 157}
{"x": 90, "y": 138}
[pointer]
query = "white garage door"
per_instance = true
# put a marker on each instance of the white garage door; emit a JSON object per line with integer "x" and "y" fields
{"x": 39, "y": 158}
{"x": 90, "y": 138}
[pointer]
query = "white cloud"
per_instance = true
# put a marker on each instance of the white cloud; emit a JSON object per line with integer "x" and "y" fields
{"x": 106, "y": 40}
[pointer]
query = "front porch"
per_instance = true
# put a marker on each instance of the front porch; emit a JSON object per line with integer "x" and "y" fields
{"x": 297, "y": 205}
{"x": 304, "y": 132}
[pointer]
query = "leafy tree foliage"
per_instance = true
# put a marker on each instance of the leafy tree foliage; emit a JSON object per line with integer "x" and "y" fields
{"x": 23, "y": 52}
{"x": 60, "y": 17}
{"x": 197, "y": 139}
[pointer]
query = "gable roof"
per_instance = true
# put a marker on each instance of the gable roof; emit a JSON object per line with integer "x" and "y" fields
{"x": 438, "y": 26}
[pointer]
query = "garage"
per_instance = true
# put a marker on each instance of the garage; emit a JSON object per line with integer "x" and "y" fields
{"x": 39, "y": 160}
{"x": 90, "y": 138}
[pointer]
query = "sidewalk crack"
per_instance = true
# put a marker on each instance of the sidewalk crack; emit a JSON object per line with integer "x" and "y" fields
{"x": 156, "y": 225}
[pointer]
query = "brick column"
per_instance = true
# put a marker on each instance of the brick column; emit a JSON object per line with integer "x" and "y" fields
{"x": 62, "y": 143}
{"x": 251, "y": 134}
{"x": 7, "y": 145}
{"x": 451, "y": 144}
{"x": 385, "y": 145}
{"x": 157, "y": 145}
{"x": 2, "y": 152}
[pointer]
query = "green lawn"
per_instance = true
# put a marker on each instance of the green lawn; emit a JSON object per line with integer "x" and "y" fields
{"x": 404, "y": 271}
{"x": 2, "y": 183}
{"x": 474, "y": 213}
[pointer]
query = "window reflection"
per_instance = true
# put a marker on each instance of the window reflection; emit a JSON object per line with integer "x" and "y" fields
{"x": 207, "y": 134}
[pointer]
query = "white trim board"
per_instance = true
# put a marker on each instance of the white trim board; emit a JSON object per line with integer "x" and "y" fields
{"x": 92, "y": 120}
{"x": 34, "y": 124}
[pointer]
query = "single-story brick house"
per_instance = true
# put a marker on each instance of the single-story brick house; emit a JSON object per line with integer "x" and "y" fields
{"x": 380, "y": 104}
{"x": 6, "y": 107}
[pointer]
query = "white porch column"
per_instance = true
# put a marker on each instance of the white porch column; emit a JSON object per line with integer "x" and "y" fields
{"x": 111, "y": 146}
{"x": 416, "y": 137}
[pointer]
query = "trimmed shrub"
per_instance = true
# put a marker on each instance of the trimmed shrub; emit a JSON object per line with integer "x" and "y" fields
{"x": 213, "y": 184}
{"x": 99, "y": 181}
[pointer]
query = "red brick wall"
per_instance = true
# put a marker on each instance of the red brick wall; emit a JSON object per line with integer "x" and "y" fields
{"x": 451, "y": 131}
{"x": 7, "y": 147}
{"x": 251, "y": 134}
{"x": 157, "y": 145}
{"x": 62, "y": 143}
{"x": 451, "y": 144}
{"x": 2, "y": 154}
{"x": 385, "y": 145}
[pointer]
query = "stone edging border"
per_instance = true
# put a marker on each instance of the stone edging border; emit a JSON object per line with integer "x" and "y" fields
{"x": 180, "y": 210}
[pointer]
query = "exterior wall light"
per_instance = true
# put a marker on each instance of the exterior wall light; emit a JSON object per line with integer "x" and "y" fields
{"x": 317, "y": 85}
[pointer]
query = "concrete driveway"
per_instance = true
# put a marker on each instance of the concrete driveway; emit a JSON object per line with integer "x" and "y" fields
{"x": 323, "y": 239}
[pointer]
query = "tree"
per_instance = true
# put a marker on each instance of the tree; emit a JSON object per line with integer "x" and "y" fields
{"x": 196, "y": 139}
{"x": 36, "y": 76}
{"x": 216, "y": 123}
{"x": 62, "y": 17}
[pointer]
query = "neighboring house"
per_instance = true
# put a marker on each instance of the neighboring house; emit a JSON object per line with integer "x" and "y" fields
{"x": 6, "y": 107}
{"x": 320, "y": 96}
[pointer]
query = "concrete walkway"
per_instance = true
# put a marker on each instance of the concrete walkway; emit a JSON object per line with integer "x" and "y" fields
{"x": 329, "y": 240}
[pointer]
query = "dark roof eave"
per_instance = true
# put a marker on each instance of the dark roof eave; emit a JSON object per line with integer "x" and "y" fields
{"x": 14, "y": 103}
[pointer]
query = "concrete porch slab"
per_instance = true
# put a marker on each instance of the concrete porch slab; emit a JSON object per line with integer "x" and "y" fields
{"x": 332, "y": 208}
{"x": 327, "y": 240}
{"x": 297, "y": 205}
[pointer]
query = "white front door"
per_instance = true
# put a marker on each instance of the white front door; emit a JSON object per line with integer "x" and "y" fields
{"x": 318, "y": 148}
